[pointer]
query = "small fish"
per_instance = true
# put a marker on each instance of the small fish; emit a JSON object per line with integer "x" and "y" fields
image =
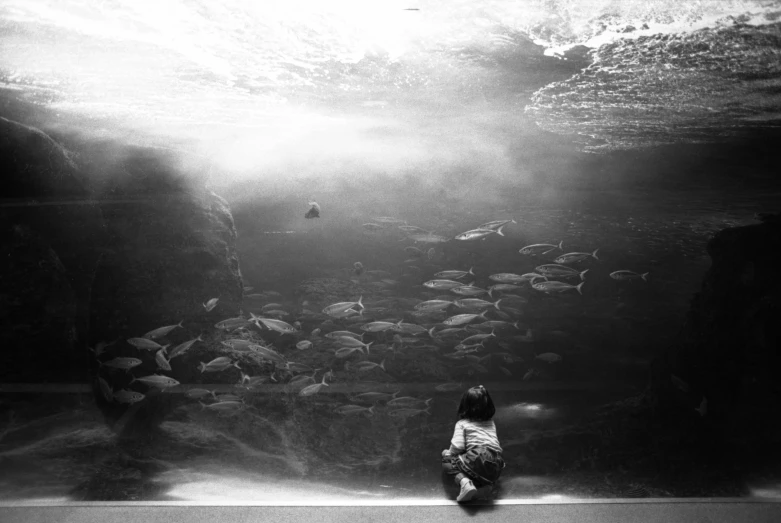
{"x": 100, "y": 347}
{"x": 373, "y": 227}
{"x": 228, "y": 397}
{"x": 292, "y": 366}
{"x": 157, "y": 380}
{"x": 256, "y": 296}
{"x": 349, "y": 341}
{"x": 209, "y": 305}
{"x": 377, "y": 326}
{"x": 703, "y": 407}
{"x": 162, "y": 363}
{"x": 554, "y": 270}
{"x": 199, "y": 393}
{"x": 363, "y": 366}
{"x": 538, "y": 248}
{"x": 350, "y": 410}
{"x": 271, "y": 307}
{"x": 574, "y": 257}
{"x": 268, "y": 353}
{"x": 448, "y": 387}
{"x": 314, "y": 388}
{"x": 232, "y": 323}
{"x": 433, "y": 305}
{"x": 122, "y": 363}
{"x": 304, "y": 345}
{"x": 347, "y": 314}
{"x": 476, "y": 234}
{"x": 128, "y": 396}
{"x": 371, "y": 397}
{"x": 475, "y": 303}
{"x": 239, "y": 344}
{"x": 300, "y": 382}
{"x": 409, "y": 328}
{"x": 496, "y": 224}
{"x": 530, "y": 374}
{"x": 412, "y": 228}
{"x": 628, "y": 275}
{"x": 182, "y": 348}
{"x": 340, "y": 307}
{"x": 550, "y": 357}
{"x": 408, "y": 401}
{"x": 503, "y": 288}
{"x": 346, "y": 351}
{"x": 443, "y": 284}
{"x": 315, "y": 333}
{"x": 428, "y": 238}
{"x": 218, "y": 364}
{"x": 678, "y": 382}
{"x": 339, "y": 334}
{"x": 461, "y": 319}
{"x": 144, "y": 344}
{"x": 406, "y": 413}
{"x": 468, "y": 290}
{"x": 550, "y": 287}
{"x": 453, "y": 274}
{"x": 160, "y": 332}
{"x": 105, "y": 388}
{"x": 508, "y": 277}
{"x": 247, "y": 288}
{"x": 388, "y": 219}
{"x": 275, "y": 325}
{"x": 277, "y": 313}
{"x": 478, "y": 338}
{"x": 224, "y": 406}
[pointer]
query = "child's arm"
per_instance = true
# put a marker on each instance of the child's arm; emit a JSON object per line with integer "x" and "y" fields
{"x": 458, "y": 442}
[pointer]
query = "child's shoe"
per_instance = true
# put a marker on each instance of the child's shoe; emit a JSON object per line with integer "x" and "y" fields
{"x": 468, "y": 491}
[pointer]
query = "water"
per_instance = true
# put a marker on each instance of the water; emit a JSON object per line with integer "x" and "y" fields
{"x": 456, "y": 117}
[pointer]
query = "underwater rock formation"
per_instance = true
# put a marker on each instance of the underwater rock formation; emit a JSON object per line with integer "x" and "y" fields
{"x": 51, "y": 235}
{"x": 728, "y": 351}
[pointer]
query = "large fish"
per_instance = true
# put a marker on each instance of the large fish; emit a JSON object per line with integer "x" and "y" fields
{"x": 161, "y": 331}
{"x": 349, "y": 341}
{"x": 340, "y": 307}
{"x": 628, "y": 275}
{"x": 468, "y": 290}
{"x": 338, "y": 334}
{"x": 363, "y": 366}
{"x": 428, "y": 238}
{"x": 128, "y": 396}
{"x": 443, "y": 284}
{"x": 433, "y": 305}
{"x": 377, "y": 326}
{"x": 574, "y": 257}
{"x": 448, "y": 275}
{"x": 122, "y": 363}
{"x": 268, "y": 353}
{"x": 162, "y": 363}
{"x": 182, "y": 348}
{"x": 475, "y": 303}
{"x": 496, "y": 224}
{"x": 209, "y": 305}
{"x": 538, "y": 248}
{"x": 232, "y": 323}
{"x": 508, "y": 277}
{"x": 551, "y": 287}
{"x": 157, "y": 380}
{"x": 314, "y": 388}
{"x": 218, "y": 364}
{"x": 275, "y": 325}
{"x": 144, "y": 344}
{"x": 461, "y": 319}
{"x": 560, "y": 271}
{"x": 476, "y": 234}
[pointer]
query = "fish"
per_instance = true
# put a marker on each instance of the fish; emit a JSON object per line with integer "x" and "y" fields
{"x": 371, "y": 397}
{"x": 476, "y": 234}
{"x": 161, "y": 331}
{"x": 347, "y": 314}
{"x": 451, "y": 274}
{"x": 209, "y": 305}
{"x": 301, "y": 381}
{"x": 628, "y": 275}
{"x": 349, "y": 410}
{"x": 461, "y": 319}
{"x": 503, "y": 288}
{"x": 315, "y": 333}
{"x": 256, "y": 296}
{"x": 106, "y": 389}
{"x": 388, "y": 219}
{"x": 431, "y": 253}
{"x": 122, "y": 363}
{"x": 144, "y": 344}
{"x": 128, "y": 396}
{"x": 223, "y": 406}
{"x": 539, "y": 247}
{"x": 372, "y": 226}
{"x": 550, "y": 357}
{"x": 182, "y": 348}
{"x": 304, "y": 345}
{"x": 100, "y": 347}
{"x": 292, "y": 366}
{"x": 240, "y": 345}
{"x": 408, "y": 328}
{"x": 363, "y": 366}
{"x": 162, "y": 363}
{"x": 218, "y": 364}
{"x": 346, "y": 351}
{"x": 433, "y": 305}
{"x": 270, "y": 307}
{"x": 408, "y": 401}
{"x": 339, "y": 334}
{"x": 228, "y": 397}
{"x": 412, "y": 228}
{"x": 275, "y": 325}
{"x": 337, "y": 308}
{"x": 560, "y": 271}
{"x": 277, "y": 313}
{"x": 268, "y": 353}
{"x": 349, "y": 341}
{"x": 478, "y": 338}
{"x": 475, "y": 303}
{"x": 377, "y": 326}
{"x": 247, "y": 288}
{"x": 496, "y": 324}
{"x": 406, "y": 413}
{"x": 550, "y": 287}
{"x": 157, "y": 380}
{"x": 428, "y": 238}
{"x": 314, "y": 388}
{"x": 200, "y": 393}
{"x": 702, "y": 409}
{"x": 574, "y": 257}
{"x": 508, "y": 277}
{"x": 468, "y": 290}
{"x": 232, "y": 323}
{"x": 530, "y": 374}
{"x": 448, "y": 387}
{"x": 442, "y": 284}
{"x": 496, "y": 224}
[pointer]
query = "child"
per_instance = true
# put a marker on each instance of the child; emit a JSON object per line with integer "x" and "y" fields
{"x": 474, "y": 456}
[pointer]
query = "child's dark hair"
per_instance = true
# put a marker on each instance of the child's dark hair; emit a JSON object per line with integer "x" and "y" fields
{"x": 476, "y": 404}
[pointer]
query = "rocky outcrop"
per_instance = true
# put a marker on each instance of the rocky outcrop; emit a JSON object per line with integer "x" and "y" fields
{"x": 51, "y": 235}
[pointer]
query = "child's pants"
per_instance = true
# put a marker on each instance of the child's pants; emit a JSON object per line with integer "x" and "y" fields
{"x": 482, "y": 465}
